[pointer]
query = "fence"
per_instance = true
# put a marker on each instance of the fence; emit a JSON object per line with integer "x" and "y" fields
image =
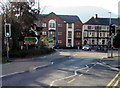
{"x": 114, "y": 53}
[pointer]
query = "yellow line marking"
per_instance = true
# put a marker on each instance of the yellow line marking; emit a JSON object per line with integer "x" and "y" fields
{"x": 71, "y": 81}
{"x": 116, "y": 83}
{"x": 87, "y": 70}
{"x": 112, "y": 80}
{"x": 80, "y": 74}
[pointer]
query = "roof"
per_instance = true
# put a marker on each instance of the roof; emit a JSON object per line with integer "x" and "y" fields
{"x": 67, "y": 18}
{"x": 70, "y": 18}
{"x": 102, "y": 21}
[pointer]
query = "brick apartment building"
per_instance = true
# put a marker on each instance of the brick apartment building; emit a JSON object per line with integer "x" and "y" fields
{"x": 96, "y": 32}
{"x": 69, "y": 29}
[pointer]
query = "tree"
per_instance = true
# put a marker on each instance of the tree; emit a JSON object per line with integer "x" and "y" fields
{"x": 116, "y": 41}
{"x": 21, "y": 15}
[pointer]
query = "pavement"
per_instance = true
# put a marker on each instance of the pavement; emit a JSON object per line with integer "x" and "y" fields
{"x": 113, "y": 62}
{"x": 18, "y": 66}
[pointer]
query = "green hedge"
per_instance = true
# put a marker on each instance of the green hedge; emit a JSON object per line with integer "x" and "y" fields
{"x": 30, "y": 52}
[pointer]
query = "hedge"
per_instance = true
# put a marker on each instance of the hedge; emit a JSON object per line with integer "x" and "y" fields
{"x": 30, "y": 52}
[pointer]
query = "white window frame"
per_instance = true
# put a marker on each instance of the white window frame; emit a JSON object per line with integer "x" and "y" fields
{"x": 44, "y": 25}
{"x": 52, "y": 22}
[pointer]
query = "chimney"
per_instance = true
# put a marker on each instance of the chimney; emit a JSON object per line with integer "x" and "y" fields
{"x": 96, "y": 16}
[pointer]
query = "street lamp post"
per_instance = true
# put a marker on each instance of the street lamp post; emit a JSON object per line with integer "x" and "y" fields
{"x": 111, "y": 37}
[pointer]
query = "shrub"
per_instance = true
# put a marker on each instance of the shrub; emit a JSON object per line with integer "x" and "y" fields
{"x": 30, "y": 52}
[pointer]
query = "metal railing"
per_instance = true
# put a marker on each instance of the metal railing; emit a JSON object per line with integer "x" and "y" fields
{"x": 115, "y": 52}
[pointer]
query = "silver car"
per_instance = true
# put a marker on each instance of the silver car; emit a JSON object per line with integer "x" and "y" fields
{"x": 86, "y": 47}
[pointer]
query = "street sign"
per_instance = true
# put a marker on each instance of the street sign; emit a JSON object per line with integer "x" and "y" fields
{"x": 30, "y": 40}
{"x": 50, "y": 40}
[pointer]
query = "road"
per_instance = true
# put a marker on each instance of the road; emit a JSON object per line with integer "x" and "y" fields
{"x": 72, "y": 68}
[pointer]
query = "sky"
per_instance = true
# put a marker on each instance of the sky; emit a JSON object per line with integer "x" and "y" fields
{"x": 111, "y": 5}
{"x": 83, "y": 8}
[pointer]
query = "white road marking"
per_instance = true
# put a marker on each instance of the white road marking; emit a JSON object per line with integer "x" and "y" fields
{"x": 71, "y": 81}
{"x": 52, "y": 62}
{"x": 14, "y": 73}
{"x": 75, "y": 73}
{"x": 81, "y": 75}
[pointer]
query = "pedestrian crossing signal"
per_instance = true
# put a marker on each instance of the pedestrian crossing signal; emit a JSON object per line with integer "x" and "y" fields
{"x": 7, "y": 30}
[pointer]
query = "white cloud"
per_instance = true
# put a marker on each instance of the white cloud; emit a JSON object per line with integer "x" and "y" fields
{"x": 111, "y": 5}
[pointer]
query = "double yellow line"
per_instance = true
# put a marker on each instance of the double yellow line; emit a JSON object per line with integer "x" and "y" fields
{"x": 111, "y": 82}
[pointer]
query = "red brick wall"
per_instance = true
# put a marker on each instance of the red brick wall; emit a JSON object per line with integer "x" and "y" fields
{"x": 60, "y": 29}
{"x": 78, "y": 25}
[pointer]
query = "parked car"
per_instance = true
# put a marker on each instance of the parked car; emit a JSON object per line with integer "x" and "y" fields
{"x": 86, "y": 47}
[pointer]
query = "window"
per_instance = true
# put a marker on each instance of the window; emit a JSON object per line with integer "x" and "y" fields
{"x": 103, "y": 42}
{"x": 77, "y": 43}
{"x": 89, "y": 27}
{"x": 92, "y": 27}
{"x": 44, "y": 25}
{"x": 90, "y": 41}
{"x": 69, "y": 42}
{"x": 100, "y": 27}
{"x": 59, "y": 41}
{"x": 69, "y": 25}
{"x": 103, "y": 27}
{"x": 85, "y": 34}
{"x": 90, "y": 34}
{"x": 78, "y": 35}
{"x": 93, "y": 34}
{"x": 104, "y": 34}
{"x": 93, "y": 42}
{"x": 59, "y": 33}
{"x": 97, "y": 27}
{"x": 43, "y": 33}
{"x": 51, "y": 34}
{"x": 52, "y": 25}
{"x": 59, "y": 25}
{"x": 100, "y": 34}
{"x": 85, "y": 27}
{"x": 69, "y": 34}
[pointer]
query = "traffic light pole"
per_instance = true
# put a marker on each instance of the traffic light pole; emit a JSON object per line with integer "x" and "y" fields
{"x": 111, "y": 46}
{"x": 7, "y": 49}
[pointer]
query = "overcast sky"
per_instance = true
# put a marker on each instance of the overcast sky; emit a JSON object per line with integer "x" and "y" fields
{"x": 83, "y": 8}
{"x": 111, "y": 5}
